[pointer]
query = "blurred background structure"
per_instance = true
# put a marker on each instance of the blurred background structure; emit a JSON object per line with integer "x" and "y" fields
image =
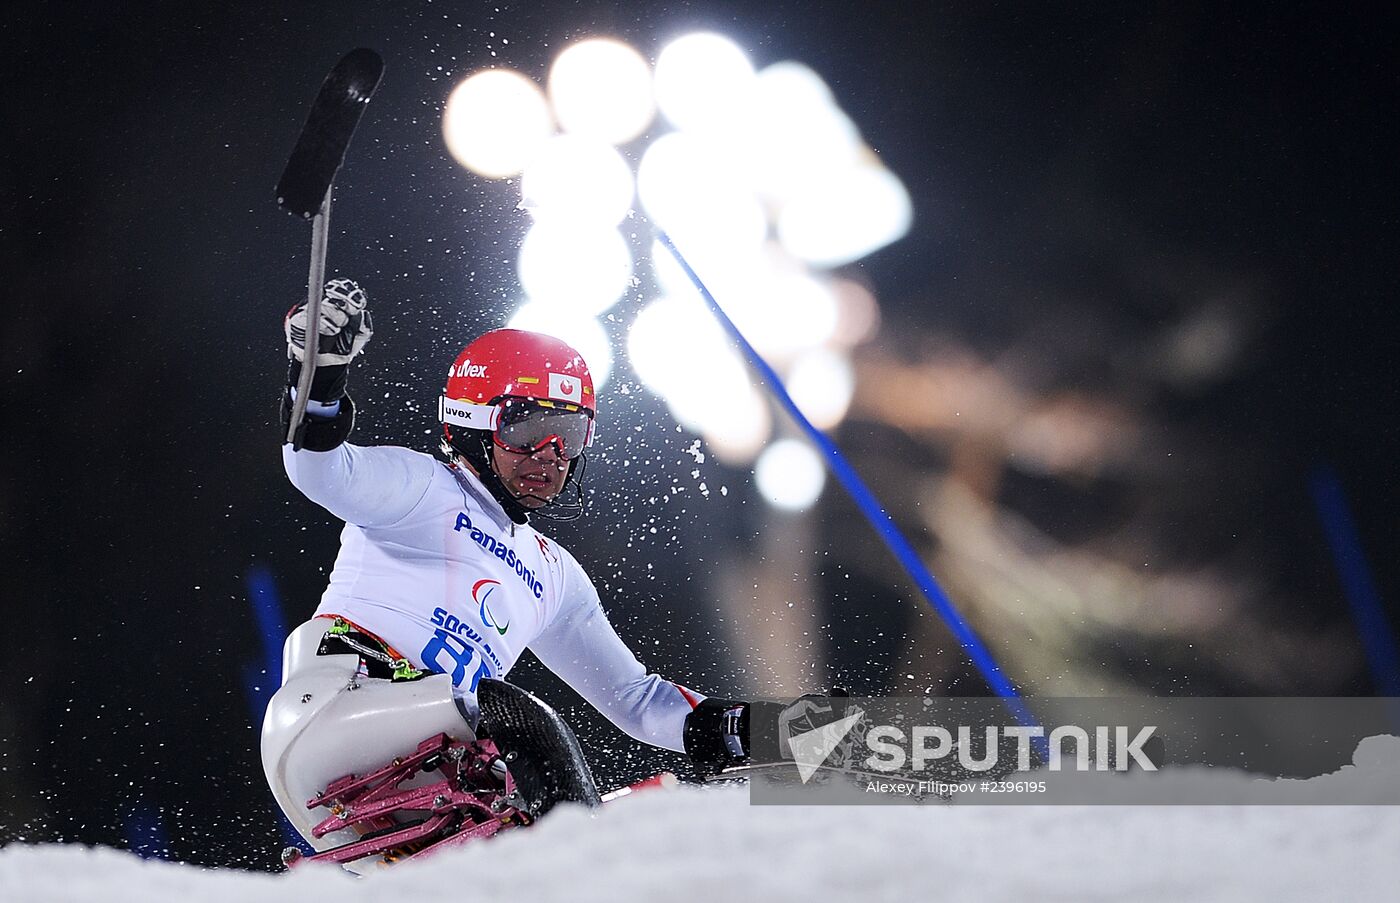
{"x": 1099, "y": 305}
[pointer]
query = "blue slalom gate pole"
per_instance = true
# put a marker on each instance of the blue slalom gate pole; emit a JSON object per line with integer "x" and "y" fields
{"x": 1358, "y": 584}
{"x": 868, "y": 504}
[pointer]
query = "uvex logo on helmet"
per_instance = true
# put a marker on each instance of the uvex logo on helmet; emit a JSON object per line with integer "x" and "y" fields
{"x": 467, "y": 368}
{"x": 513, "y": 363}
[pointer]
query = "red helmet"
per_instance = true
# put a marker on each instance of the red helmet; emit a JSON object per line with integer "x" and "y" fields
{"x": 513, "y": 363}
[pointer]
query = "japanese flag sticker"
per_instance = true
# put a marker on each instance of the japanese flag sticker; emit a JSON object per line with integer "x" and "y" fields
{"x": 563, "y": 387}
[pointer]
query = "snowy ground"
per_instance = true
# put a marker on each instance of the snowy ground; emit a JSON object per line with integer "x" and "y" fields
{"x": 712, "y": 845}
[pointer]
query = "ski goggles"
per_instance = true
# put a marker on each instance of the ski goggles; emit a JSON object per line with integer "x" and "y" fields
{"x": 525, "y": 426}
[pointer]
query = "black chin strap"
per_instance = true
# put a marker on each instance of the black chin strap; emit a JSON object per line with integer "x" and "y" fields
{"x": 561, "y": 508}
{"x": 475, "y": 446}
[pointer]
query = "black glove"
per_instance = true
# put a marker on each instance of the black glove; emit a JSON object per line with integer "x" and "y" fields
{"x": 320, "y": 434}
{"x": 717, "y": 735}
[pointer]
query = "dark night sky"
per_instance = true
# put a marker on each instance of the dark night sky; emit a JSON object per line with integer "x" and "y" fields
{"x": 1076, "y": 168}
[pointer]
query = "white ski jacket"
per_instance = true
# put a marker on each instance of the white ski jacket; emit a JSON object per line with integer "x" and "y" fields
{"x": 430, "y": 564}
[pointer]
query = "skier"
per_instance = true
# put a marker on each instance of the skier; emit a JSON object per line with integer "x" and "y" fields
{"x": 441, "y": 581}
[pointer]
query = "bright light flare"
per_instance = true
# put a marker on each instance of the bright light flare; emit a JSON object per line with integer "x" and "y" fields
{"x": 740, "y": 433}
{"x": 821, "y": 384}
{"x": 781, "y": 309}
{"x": 601, "y": 88}
{"x": 697, "y": 192}
{"x": 850, "y": 214}
{"x": 585, "y": 334}
{"x": 703, "y": 82}
{"x": 789, "y": 475}
{"x": 779, "y": 306}
{"x": 493, "y": 122}
{"x": 797, "y": 136}
{"x": 575, "y": 266}
{"x": 667, "y": 342}
{"x": 579, "y": 179}
{"x": 858, "y": 313}
{"x": 678, "y": 350}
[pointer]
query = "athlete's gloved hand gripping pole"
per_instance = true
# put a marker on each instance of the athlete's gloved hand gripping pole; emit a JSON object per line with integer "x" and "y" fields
{"x": 345, "y": 328}
{"x": 717, "y": 735}
{"x": 719, "y": 732}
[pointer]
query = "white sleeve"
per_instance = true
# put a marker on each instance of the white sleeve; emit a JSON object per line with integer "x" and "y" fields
{"x": 581, "y": 647}
{"x": 369, "y": 487}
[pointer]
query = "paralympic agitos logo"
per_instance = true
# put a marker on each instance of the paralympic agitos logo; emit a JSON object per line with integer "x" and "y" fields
{"x": 481, "y": 594}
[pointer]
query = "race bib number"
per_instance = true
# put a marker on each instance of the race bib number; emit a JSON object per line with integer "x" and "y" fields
{"x": 447, "y": 653}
